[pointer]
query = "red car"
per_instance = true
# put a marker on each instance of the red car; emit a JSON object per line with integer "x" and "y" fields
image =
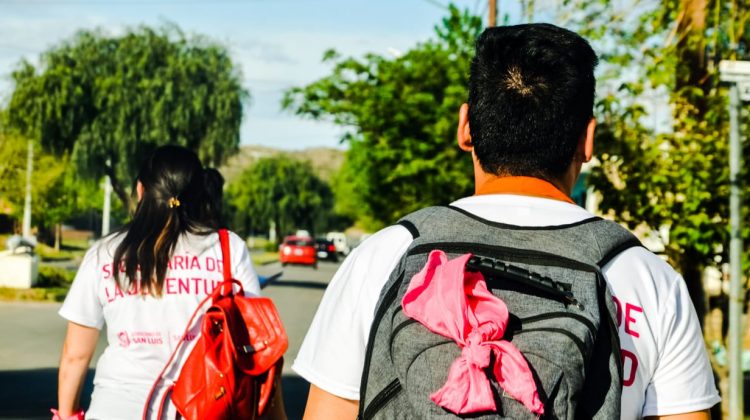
{"x": 298, "y": 250}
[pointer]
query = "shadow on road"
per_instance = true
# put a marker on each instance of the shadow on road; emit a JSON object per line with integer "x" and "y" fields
{"x": 301, "y": 284}
{"x": 29, "y": 394}
{"x": 295, "y": 395}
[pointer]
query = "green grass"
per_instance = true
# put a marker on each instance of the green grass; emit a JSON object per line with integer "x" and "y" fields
{"x": 264, "y": 258}
{"x": 52, "y": 286}
{"x": 69, "y": 251}
{"x": 36, "y": 294}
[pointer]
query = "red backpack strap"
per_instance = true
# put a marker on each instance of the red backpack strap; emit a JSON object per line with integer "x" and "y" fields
{"x": 171, "y": 358}
{"x": 226, "y": 288}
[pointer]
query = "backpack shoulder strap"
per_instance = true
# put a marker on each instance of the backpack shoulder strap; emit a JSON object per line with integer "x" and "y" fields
{"x": 606, "y": 238}
{"x": 612, "y": 240}
{"x": 410, "y": 227}
{"x": 413, "y": 221}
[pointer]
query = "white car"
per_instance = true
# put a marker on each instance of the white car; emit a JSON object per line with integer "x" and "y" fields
{"x": 339, "y": 241}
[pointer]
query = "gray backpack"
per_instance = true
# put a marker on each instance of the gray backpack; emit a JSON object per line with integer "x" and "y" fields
{"x": 561, "y": 318}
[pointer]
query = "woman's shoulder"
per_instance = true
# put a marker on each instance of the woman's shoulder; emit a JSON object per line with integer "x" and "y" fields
{"x": 107, "y": 245}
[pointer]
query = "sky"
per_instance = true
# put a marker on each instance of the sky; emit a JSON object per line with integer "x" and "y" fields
{"x": 278, "y": 44}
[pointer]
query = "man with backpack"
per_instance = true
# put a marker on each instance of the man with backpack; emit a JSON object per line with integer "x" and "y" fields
{"x": 514, "y": 301}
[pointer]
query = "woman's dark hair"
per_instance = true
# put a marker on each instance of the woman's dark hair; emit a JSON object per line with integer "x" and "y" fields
{"x": 178, "y": 197}
{"x": 531, "y": 95}
{"x": 213, "y": 207}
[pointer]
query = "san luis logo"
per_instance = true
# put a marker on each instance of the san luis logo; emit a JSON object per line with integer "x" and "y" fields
{"x": 123, "y": 339}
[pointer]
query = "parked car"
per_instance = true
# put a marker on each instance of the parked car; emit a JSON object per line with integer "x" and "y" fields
{"x": 340, "y": 241}
{"x": 298, "y": 250}
{"x": 326, "y": 250}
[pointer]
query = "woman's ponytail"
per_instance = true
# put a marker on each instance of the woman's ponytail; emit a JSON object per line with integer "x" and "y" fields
{"x": 172, "y": 202}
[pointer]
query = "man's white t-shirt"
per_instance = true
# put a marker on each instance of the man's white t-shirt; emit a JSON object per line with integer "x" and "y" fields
{"x": 142, "y": 331}
{"x": 666, "y": 369}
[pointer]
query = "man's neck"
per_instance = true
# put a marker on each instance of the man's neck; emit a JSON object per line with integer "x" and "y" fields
{"x": 522, "y": 185}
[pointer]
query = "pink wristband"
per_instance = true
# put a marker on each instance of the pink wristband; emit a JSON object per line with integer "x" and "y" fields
{"x": 76, "y": 416}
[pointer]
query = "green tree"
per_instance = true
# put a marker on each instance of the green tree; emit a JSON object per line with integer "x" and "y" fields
{"x": 674, "y": 176}
{"x": 281, "y": 190}
{"x": 109, "y": 101}
{"x": 402, "y": 115}
{"x": 57, "y": 193}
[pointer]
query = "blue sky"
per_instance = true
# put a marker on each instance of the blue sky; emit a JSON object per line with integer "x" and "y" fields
{"x": 277, "y": 43}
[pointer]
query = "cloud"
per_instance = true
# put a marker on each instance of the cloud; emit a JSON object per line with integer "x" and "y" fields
{"x": 262, "y": 51}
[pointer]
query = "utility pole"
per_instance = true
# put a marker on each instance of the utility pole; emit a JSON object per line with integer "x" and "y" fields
{"x": 26, "y": 232}
{"x": 492, "y": 19}
{"x": 737, "y": 73}
{"x": 107, "y": 205}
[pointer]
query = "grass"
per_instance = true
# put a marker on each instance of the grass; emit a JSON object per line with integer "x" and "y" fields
{"x": 264, "y": 258}
{"x": 52, "y": 286}
{"x": 35, "y": 294}
{"x": 70, "y": 250}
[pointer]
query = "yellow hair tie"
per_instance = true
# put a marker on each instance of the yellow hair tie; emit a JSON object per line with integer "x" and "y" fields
{"x": 173, "y": 202}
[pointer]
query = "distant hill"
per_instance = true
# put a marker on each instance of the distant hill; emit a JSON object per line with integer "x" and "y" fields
{"x": 324, "y": 160}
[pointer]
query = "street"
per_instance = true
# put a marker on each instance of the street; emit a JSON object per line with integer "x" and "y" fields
{"x": 32, "y": 335}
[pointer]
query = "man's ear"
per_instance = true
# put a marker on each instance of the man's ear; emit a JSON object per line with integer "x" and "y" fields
{"x": 586, "y": 144}
{"x": 464, "y": 133}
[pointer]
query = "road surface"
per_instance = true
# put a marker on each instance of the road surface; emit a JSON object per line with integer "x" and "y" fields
{"x": 31, "y": 336}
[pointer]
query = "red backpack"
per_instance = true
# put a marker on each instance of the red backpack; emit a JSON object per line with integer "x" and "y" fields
{"x": 231, "y": 371}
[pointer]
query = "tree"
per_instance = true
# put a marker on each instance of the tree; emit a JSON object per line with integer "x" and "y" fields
{"x": 109, "y": 101}
{"x": 674, "y": 176}
{"x": 402, "y": 114}
{"x": 281, "y": 190}
{"x": 57, "y": 193}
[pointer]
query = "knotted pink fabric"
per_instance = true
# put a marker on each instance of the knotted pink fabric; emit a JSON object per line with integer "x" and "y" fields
{"x": 454, "y": 303}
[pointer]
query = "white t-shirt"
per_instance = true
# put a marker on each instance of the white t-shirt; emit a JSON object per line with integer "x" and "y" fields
{"x": 666, "y": 369}
{"x": 142, "y": 331}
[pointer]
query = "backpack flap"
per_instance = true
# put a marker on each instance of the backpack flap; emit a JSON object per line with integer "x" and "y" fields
{"x": 206, "y": 383}
{"x": 262, "y": 341}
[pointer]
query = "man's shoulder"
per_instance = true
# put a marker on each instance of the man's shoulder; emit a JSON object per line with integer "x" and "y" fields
{"x": 385, "y": 243}
{"x": 639, "y": 272}
{"x": 641, "y": 257}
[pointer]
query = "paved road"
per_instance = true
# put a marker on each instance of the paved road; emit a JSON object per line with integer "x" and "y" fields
{"x": 31, "y": 336}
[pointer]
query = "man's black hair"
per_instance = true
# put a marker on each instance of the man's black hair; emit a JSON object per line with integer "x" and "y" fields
{"x": 531, "y": 95}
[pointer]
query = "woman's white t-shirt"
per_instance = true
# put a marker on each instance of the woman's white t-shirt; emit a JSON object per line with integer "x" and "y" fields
{"x": 666, "y": 368}
{"x": 142, "y": 331}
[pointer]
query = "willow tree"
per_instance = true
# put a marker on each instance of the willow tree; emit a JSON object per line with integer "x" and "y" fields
{"x": 108, "y": 101}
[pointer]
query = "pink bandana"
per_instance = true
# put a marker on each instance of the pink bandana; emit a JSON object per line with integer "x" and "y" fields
{"x": 454, "y": 303}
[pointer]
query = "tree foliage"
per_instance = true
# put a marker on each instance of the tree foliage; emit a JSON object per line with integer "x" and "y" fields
{"x": 281, "y": 190}
{"x": 664, "y": 55}
{"x": 402, "y": 115}
{"x": 107, "y": 101}
{"x": 57, "y": 193}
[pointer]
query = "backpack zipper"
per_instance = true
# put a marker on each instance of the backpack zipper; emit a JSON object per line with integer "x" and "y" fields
{"x": 520, "y": 275}
{"x": 589, "y": 325}
{"x": 577, "y": 341}
{"x": 390, "y": 391}
{"x": 495, "y": 269}
{"x": 551, "y": 315}
{"x": 387, "y": 299}
{"x": 515, "y": 254}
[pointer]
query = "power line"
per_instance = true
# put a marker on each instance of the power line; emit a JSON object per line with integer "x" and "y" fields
{"x": 437, "y": 3}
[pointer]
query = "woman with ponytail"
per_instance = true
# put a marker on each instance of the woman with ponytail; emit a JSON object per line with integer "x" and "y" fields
{"x": 144, "y": 282}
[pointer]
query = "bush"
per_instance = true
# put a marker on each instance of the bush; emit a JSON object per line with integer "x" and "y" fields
{"x": 55, "y": 277}
{"x": 271, "y": 247}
